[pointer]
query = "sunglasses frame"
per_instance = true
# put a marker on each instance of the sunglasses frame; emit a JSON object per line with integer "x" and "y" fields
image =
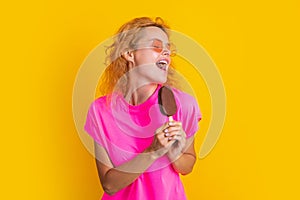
{"x": 159, "y": 47}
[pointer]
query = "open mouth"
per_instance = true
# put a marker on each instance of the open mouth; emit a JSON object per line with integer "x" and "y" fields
{"x": 162, "y": 64}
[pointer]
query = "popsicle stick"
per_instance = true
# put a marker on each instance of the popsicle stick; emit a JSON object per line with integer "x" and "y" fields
{"x": 171, "y": 118}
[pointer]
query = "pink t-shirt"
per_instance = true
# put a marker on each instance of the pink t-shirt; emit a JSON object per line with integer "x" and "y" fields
{"x": 125, "y": 130}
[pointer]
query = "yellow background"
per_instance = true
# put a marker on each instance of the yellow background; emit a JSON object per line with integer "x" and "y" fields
{"x": 255, "y": 45}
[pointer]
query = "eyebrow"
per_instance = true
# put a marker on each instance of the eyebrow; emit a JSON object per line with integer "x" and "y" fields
{"x": 159, "y": 40}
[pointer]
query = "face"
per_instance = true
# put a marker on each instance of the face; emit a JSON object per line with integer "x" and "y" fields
{"x": 151, "y": 56}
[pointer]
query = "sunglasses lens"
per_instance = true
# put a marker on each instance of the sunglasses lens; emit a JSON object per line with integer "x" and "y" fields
{"x": 157, "y": 46}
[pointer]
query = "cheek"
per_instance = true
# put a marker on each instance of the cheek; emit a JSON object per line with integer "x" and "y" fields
{"x": 145, "y": 58}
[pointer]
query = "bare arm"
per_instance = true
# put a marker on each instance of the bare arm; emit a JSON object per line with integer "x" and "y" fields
{"x": 185, "y": 163}
{"x": 114, "y": 179}
{"x": 182, "y": 153}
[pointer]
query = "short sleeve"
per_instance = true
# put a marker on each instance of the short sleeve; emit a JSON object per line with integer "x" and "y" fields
{"x": 93, "y": 124}
{"x": 191, "y": 115}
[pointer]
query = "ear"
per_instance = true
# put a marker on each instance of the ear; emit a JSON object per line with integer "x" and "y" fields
{"x": 129, "y": 56}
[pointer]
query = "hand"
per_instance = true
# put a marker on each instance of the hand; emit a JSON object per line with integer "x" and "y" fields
{"x": 175, "y": 133}
{"x": 161, "y": 143}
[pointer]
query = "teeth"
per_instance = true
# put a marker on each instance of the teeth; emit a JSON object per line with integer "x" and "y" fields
{"x": 162, "y": 64}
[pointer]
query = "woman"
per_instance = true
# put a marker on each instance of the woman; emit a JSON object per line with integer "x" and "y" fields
{"x": 139, "y": 152}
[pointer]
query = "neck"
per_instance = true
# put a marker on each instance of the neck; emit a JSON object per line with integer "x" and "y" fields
{"x": 141, "y": 94}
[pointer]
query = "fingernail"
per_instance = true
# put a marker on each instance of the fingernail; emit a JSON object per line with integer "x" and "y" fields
{"x": 166, "y": 130}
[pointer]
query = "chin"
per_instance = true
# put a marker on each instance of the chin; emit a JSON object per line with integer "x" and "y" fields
{"x": 161, "y": 80}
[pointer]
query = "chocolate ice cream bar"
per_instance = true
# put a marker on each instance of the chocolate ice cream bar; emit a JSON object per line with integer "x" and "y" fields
{"x": 167, "y": 102}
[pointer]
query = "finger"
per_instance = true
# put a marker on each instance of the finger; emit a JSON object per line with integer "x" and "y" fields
{"x": 166, "y": 143}
{"x": 175, "y": 123}
{"x": 176, "y": 137}
{"x": 180, "y": 132}
{"x": 175, "y": 132}
{"x": 179, "y": 138}
{"x": 162, "y": 138}
{"x": 160, "y": 129}
{"x": 174, "y": 129}
{"x": 170, "y": 142}
{"x": 170, "y": 129}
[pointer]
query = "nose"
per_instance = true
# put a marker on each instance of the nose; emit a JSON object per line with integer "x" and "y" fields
{"x": 166, "y": 52}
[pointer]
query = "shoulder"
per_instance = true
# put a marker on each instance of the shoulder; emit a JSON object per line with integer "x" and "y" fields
{"x": 184, "y": 98}
{"x": 187, "y": 103}
{"x": 100, "y": 100}
{"x": 99, "y": 103}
